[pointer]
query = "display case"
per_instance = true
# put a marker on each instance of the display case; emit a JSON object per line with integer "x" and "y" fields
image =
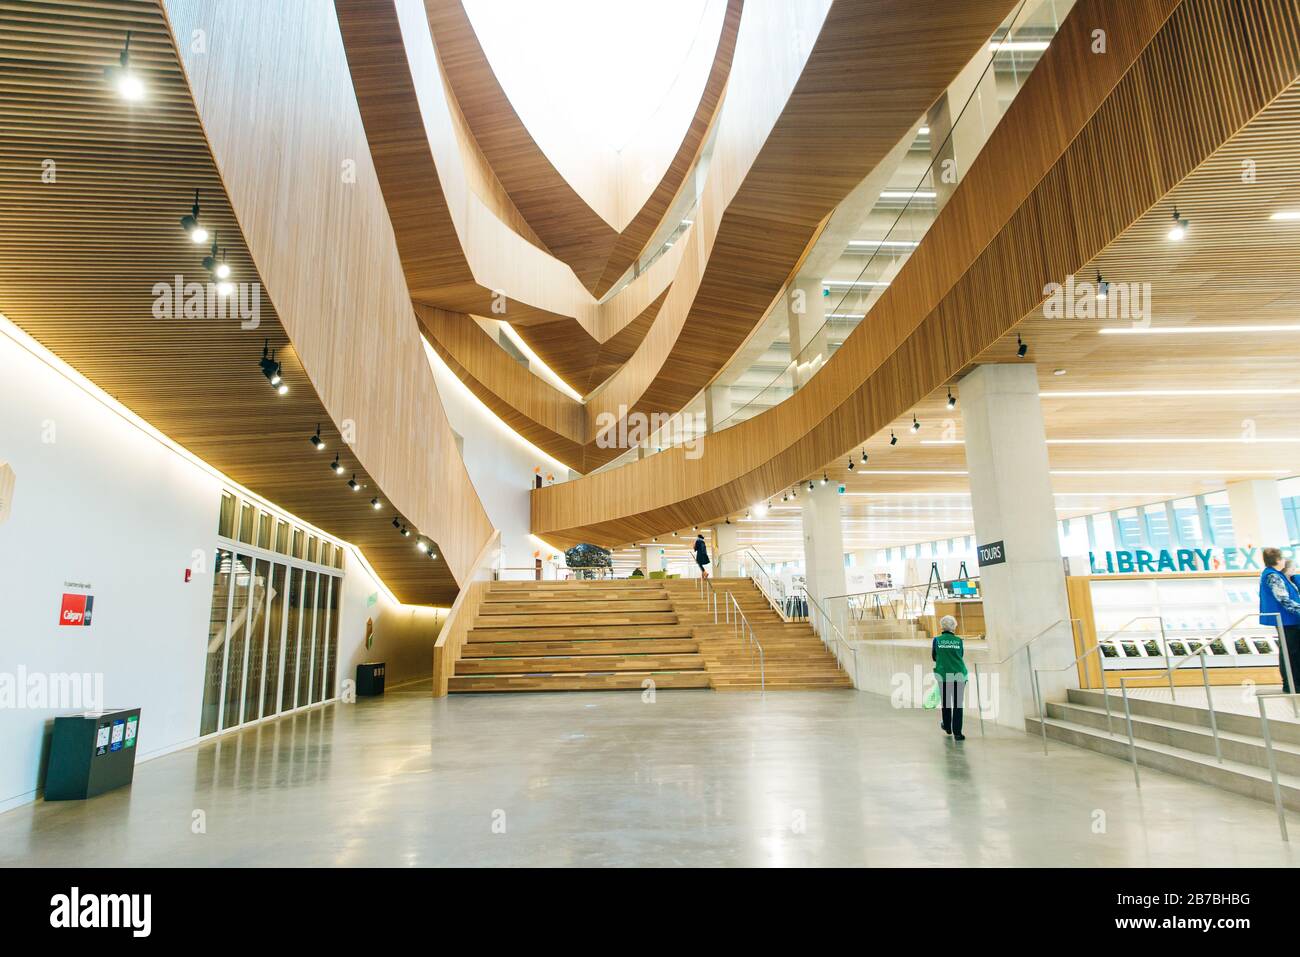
{"x": 1145, "y": 623}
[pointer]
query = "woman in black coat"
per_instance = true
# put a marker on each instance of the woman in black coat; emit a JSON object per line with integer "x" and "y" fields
{"x": 702, "y": 556}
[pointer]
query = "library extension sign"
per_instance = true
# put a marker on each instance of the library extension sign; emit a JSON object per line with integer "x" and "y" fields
{"x": 1140, "y": 561}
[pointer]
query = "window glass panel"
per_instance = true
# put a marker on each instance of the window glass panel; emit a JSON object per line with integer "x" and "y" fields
{"x": 1220, "y": 518}
{"x": 1157, "y": 521}
{"x": 1130, "y": 531}
{"x": 226, "y": 517}
{"x": 311, "y": 548}
{"x": 247, "y": 515}
{"x": 282, "y": 537}
{"x": 332, "y": 651}
{"x": 217, "y": 632}
{"x": 1189, "y": 521}
{"x": 264, "y": 530}
{"x": 326, "y": 553}
{"x": 238, "y": 642}
{"x": 297, "y": 543}
{"x": 256, "y": 640}
{"x": 306, "y": 648}
{"x": 338, "y": 558}
{"x": 270, "y": 691}
{"x": 322, "y": 626}
{"x": 1103, "y": 532}
{"x": 291, "y": 640}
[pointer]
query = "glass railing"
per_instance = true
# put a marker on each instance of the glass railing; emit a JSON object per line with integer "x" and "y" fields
{"x": 796, "y": 337}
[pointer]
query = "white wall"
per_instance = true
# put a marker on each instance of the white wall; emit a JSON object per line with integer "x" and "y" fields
{"x": 97, "y": 501}
{"x": 500, "y": 465}
{"x": 100, "y": 501}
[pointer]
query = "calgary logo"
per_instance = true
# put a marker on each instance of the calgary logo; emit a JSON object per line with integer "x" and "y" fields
{"x": 76, "y": 610}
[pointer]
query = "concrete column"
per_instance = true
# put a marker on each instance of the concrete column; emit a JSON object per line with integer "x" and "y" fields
{"x": 647, "y": 555}
{"x": 807, "y": 329}
{"x": 724, "y": 541}
{"x": 823, "y": 543}
{"x": 1257, "y": 519}
{"x": 1011, "y": 497}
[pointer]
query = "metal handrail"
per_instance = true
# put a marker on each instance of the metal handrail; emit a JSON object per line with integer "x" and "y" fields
{"x": 711, "y": 598}
{"x": 839, "y": 638}
{"x": 1163, "y": 640}
{"x": 741, "y": 625}
{"x": 1268, "y": 749}
{"x": 1201, "y": 652}
{"x": 1029, "y": 662}
{"x": 1038, "y": 693}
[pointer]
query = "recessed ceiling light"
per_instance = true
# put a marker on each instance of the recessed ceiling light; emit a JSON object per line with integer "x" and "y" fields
{"x": 1286, "y": 215}
{"x": 1058, "y": 372}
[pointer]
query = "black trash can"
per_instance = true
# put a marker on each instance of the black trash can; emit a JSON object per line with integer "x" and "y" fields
{"x": 370, "y": 679}
{"x": 91, "y": 753}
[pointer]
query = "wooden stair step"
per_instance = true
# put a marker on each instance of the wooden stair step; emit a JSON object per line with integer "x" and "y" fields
{"x": 596, "y": 646}
{"x": 507, "y": 597}
{"x": 584, "y": 664}
{"x": 578, "y": 632}
{"x": 618, "y": 681}
{"x": 574, "y": 608}
{"x": 564, "y": 621}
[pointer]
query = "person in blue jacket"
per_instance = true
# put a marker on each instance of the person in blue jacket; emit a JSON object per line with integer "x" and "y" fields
{"x": 1279, "y": 600}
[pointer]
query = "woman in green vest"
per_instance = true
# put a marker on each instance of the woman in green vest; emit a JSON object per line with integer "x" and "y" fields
{"x": 950, "y": 669}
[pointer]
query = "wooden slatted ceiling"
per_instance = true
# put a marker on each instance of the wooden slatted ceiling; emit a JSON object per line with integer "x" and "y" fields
{"x": 787, "y": 189}
{"x": 1134, "y": 124}
{"x": 79, "y": 257}
{"x": 598, "y": 252}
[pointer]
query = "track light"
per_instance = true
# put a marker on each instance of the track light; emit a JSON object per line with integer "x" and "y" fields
{"x": 191, "y": 225}
{"x": 811, "y": 486}
{"x": 893, "y": 439}
{"x": 1179, "y": 228}
{"x": 397, "y": 524}
{"x": 1022, "y": 347}
{"x": 1103, "y": 288}
{"x": 126, "y": 81}
{"x": 336, "y": 467}
{"x": 852, "y": 466}
{"x": 352, "y": 483}
{"x": 825, "y": 478}
{"x": 864, "y": 455}
{"x": 376, "y": 504}
{"x": 316, "y": 440}
{"x": 271, "y": 368}
{"x": 210, "y": 260}
{"x": 222, "y": 271}
{"x": 432, "y": 553}
{"x": 916, "y": 426}
{"x": 952, "y": 400}
{"x": 422, "y": 545}
{"x": 406, "y": 531}
{"x": 794, "y": 493}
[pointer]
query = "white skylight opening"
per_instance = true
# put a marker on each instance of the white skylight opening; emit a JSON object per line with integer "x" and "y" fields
{"x": 595, "y": 68}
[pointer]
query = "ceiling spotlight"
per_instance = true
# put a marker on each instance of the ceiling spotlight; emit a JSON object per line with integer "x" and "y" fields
{"x": 422, "y": 545}
{"x": 825, "y": 478}
{"x": 126, "y": 81}
{"x": 851, "y": 465}
{"x": 864, "y": 455}
{"x": 916, "y": 426}
{"x": 336, "y": 467}
{"x": 1058, "y": 372}
{"x": 190, "y": 223}
{"x": 893, "y": 439}
{"x": 1103, "y": 288}
{"x": 225, "y": 287}
{"x": 271, "y": 368}
{"x": 210, "y": 261}
{"x": 317, "y": 441}
{"x": 1179, "y": 228}
{"x": 406, "y": 531}
{"x": 1022, "y": 347}
{"x": 352, "y": 483}
{"x": 785, "y": 497}
{"x": 952, "y": 400}
{"x": 376, "y": 504}
{"x": 811, "y": 486}
{"x": 397, "y": 524}
{"x": 432, "y": 553}
{"x": 223, "y": 268}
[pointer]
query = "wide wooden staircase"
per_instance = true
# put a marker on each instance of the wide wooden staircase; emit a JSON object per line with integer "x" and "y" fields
{"x": 578, "y": 636}
{"x": 608, "y": 635}
{"x": 793, "y": 659}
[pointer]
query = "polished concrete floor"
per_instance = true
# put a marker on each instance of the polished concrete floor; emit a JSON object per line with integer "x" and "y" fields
{"x": 694, "y": 778}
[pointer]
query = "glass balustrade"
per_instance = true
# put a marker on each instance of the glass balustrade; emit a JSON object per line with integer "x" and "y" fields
{"x": 807, "y": 324}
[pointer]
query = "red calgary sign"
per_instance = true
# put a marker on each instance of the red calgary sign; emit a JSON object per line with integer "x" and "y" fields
{"x": 76, "y": 609}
